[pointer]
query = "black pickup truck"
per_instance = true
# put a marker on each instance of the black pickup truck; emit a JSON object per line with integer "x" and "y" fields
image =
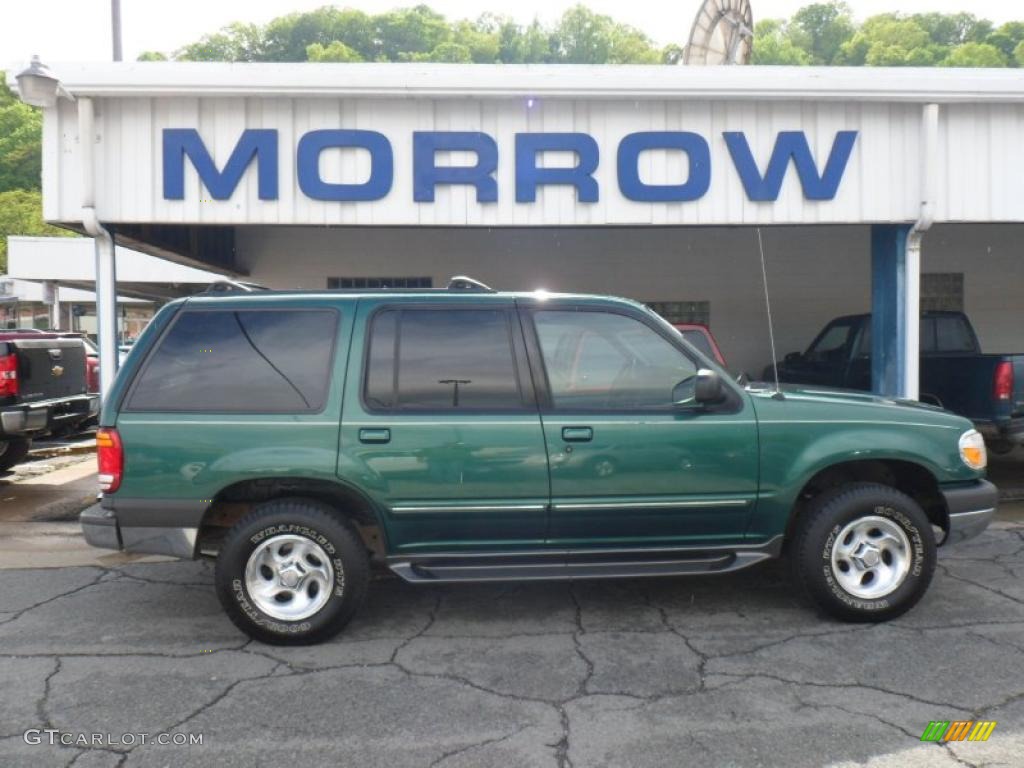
{"x": 955, "y": 374}
{"x": 43, "y": 388}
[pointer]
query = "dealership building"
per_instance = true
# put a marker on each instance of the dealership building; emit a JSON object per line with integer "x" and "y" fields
{"x": 882, "y": 190}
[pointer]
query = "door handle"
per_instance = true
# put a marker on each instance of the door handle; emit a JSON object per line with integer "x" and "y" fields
{"x": 382, "y": 435}
{"x": 577, "y": 434}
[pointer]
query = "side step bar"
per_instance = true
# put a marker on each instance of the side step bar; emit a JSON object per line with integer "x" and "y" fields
{"x": 442, "y": 568}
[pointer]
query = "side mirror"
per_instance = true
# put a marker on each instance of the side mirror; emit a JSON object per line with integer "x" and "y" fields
{"x": 709, "y": 388}
{"x": 703, "y": 388}
{"x": 794, "y": 357}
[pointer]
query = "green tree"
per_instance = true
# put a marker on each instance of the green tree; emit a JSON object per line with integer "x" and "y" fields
{"x": 337, "y": 51}
{"x": 889, "y": 40}
{"x": 409, "y": 31}
{"x": 451, "y": 52}
{"x": 1018, "y": 54}
{"x": 585, "y": 37}
{"x": 287, "y": 38}
{"x": 21, "y": 213}
{"x": 821, "y": 28}
{"x": 152, "y": 56}
{"x": 21, "y": 130}
{"x": 235, "y": 42}
{"x": 479, "y": 38}
{"x": 773, "y": 45}
{"x": 952, "y": 29}
{"x": 975, "y": 55}
{"x": 1007, "y": 38}
{"x": 631, "y": 46}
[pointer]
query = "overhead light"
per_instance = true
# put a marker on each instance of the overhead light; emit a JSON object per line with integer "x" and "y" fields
{"x": 38, "y": 86}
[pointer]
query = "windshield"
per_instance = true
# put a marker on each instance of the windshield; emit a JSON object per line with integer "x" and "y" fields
{"x": 833, "y": 341}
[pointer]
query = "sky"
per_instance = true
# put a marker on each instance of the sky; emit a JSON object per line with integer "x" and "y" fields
{"x": 79, "y": 30}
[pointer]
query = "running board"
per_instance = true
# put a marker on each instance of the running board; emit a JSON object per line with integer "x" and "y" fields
{"x": 574, "y": 564}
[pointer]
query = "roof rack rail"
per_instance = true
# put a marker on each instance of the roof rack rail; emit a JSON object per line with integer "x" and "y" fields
{"x": 233, "y": 286}
{"x": 463, "y": 283}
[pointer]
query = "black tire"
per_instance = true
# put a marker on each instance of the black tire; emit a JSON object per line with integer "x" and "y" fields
{"x": 13, "y": 452}
{"x": 309, "y": 519}
{"x": 816, "y": 535}
{"x": 1001, "y": 447}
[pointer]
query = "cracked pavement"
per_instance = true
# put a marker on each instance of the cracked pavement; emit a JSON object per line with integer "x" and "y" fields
{"x": 727, "y": 670}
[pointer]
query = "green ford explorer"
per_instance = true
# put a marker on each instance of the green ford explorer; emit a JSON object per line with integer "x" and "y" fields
{"x": 469, "y": 435}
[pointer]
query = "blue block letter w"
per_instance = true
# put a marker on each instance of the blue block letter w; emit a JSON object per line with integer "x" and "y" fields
{"x": 790, "y": 144}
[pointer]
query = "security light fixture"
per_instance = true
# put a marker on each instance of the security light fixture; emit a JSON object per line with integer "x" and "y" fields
{"x": 38, "y": 86}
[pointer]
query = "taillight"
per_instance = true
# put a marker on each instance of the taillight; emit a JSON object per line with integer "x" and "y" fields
{"x": 8, "y": 375}
{"x": 1002, "y": 382}
{"x": 92, "y": 375}
{"x": 110, "y": 455}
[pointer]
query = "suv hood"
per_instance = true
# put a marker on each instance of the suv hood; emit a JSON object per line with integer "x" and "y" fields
{"x": 796, "y": 393}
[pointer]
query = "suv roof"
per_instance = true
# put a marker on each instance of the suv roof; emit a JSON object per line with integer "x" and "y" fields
{"x": 458, "y": 287}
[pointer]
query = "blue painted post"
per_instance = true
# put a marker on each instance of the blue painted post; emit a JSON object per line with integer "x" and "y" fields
{"x": 888, "y": 308}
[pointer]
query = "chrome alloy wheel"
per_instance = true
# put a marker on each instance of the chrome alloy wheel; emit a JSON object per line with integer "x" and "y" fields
{"x": 871, "y": 557}
{"x": 289, "y": 577}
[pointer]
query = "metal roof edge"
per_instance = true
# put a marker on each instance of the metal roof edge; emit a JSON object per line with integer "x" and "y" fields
{"x": 383, "y": 80}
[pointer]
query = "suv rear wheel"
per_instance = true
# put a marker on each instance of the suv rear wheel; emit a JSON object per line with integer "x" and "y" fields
{"x": 864, "y": 552}
{"x": 292, "y": 572}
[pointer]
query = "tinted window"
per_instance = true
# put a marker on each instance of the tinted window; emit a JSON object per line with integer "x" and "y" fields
{"x": 269, "y": 361}
{"x": 945, "y": 333}
{"x": 832, "y": 342}
{"x": 700, "y": 341}
{"x": 442, "y": 359}
{"x": 605, "y": 361}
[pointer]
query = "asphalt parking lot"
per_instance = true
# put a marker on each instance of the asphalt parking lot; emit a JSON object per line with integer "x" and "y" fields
{"x": 728, "y": 670}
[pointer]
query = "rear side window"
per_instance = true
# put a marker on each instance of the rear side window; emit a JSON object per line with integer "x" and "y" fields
{"x": 946, "y": 333}
{"x": 442, "y": 360}
{"x": 247, "y": 361}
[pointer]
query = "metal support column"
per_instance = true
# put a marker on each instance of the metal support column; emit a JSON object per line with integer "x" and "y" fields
{"x": 106, "y": 277}
{"x": 895, "y": 312}
{"x": 106, "y": 310}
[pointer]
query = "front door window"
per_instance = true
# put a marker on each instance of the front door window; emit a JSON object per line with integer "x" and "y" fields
{"x": 604, "y": 361}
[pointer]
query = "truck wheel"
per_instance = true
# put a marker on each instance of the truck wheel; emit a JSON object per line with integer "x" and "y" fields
{"x": 13, "y": 452}
{"x": 292, "y": 572}
{"x": 864, "y": 552}
{"x": 1000, "y": 447}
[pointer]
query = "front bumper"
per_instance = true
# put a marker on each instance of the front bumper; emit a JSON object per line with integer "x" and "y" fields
{"x": 47, "y": 415}
{"x": 971, "y": 509}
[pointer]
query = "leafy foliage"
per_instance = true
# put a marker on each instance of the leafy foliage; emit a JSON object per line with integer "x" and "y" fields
{"x": 821, "y": 33}
{"x": 20, "y": 138}
{"x": 21, "y": 213}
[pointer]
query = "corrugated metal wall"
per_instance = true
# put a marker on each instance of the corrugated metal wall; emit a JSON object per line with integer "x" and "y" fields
{"x": 981, "y": 168}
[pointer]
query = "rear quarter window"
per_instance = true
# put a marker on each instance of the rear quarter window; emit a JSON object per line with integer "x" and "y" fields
{"x": 243, "y": 361}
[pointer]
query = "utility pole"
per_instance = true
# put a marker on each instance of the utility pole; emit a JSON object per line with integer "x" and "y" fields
{"x": 115, "y": 26}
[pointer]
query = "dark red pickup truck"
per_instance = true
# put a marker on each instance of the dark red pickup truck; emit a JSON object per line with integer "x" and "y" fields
{"x": 43, "y": 388}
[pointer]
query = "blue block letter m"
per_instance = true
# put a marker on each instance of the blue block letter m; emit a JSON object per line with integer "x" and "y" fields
{"x": 180, "y": 143}
{"x": 790, "y": 144}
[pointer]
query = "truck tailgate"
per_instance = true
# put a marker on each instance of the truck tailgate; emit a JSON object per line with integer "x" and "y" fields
{"x": 1017, "y": 398}
{"x": 48, "y": 368}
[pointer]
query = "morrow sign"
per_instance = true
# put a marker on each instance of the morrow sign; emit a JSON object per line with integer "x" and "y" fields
{"x": 761, "y": 183}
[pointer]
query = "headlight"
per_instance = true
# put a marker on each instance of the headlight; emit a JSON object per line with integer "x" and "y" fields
{"x": 972, "y": 449}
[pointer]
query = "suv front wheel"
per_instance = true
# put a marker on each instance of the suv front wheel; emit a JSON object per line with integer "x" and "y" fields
{"x": 292, "y": 572}
{"x": 864, "y": 552}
